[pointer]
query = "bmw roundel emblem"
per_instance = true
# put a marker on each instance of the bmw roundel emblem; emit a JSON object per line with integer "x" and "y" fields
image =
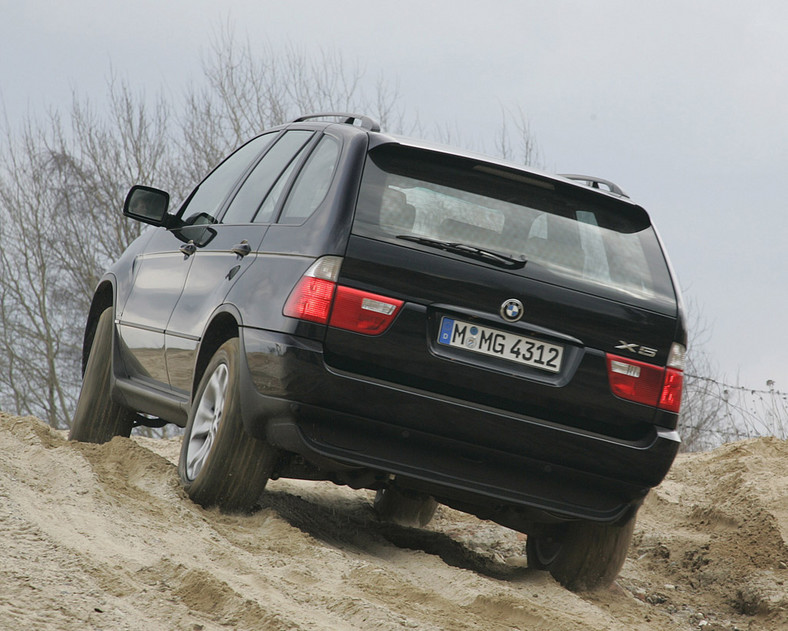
{"x": 512, "y": 310}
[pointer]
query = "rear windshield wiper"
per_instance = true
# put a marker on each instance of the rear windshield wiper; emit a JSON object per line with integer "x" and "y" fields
{"x": 471, "y": 251}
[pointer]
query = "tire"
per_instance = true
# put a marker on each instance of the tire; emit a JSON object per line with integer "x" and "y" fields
{"x": 220, "y": 464}
{"x": 582, "y": 556}
{"x": 97, "y": 417}
{"x": 405, "y": 509}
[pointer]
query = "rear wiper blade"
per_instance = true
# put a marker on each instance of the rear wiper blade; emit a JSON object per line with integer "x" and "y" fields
{"x": 471, "y": 251}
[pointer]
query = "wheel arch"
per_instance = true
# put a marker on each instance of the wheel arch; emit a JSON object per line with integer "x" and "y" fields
{"x": 103, "y": 298}
{"x": 223, "y": 325}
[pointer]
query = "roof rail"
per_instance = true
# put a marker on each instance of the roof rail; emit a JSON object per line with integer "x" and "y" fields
{"x": 596, "y": 182}
{"x": 365, "y": 122}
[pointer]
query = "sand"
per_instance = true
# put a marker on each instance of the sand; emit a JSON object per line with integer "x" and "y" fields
{"x": 102, "y": 537}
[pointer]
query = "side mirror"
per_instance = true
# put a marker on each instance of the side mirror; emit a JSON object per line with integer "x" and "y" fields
{"x": 148, "y": 205}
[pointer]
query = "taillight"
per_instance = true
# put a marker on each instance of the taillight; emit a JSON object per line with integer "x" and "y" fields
{"x": 645, "y": 383}
{"x": 318, "y": 298}
{"x": 670, "y": 399}
{"x": 311, "y": 300}
{"x": 362, "y": 311}
{"x": 313, "y": 295}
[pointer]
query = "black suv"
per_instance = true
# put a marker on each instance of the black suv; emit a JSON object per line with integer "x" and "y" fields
{"x": 336, "y": 303}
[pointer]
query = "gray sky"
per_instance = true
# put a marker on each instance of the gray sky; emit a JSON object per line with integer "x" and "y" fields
{"x": 682, "y": 103}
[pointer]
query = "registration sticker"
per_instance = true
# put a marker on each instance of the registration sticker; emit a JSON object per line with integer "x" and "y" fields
{"x": 515, "y": 348}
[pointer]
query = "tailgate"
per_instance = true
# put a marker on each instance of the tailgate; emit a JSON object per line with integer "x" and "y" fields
{"x": 487, "y": 367}
{"x": 515, "y": 287}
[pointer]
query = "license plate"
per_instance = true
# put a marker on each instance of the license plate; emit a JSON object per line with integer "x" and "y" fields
{"x": 486, "y": 341}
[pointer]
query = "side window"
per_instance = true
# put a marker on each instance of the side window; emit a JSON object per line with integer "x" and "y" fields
{"x": 207, "y": 198}
{"x": 312, "y": 184}
{"x": 266, "y": 212}
{"x": 255, "y": 189}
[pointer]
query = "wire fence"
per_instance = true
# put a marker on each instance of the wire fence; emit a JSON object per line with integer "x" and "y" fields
{"x": 715, "y": 412}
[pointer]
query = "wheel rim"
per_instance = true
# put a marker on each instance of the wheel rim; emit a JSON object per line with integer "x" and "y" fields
{"x": 206, "y": 421}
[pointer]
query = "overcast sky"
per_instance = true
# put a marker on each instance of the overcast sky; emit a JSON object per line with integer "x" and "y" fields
{"x": 681, "y": 103}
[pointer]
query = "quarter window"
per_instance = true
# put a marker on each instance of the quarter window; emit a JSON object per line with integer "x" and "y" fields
{"x": 312, "y": 184}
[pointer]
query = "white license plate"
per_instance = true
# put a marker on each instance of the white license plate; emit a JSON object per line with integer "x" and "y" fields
{"x": 516, "y": 348}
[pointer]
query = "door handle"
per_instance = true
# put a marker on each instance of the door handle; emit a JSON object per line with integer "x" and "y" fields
{"x": 242, "y": 249}
{"x": 188, "y": 249}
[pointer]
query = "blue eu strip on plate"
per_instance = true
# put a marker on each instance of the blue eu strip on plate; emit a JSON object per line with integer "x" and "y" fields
{"x": 446, "y": 328}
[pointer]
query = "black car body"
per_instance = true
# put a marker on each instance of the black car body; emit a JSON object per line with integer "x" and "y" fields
{"x": 414, "y": 319}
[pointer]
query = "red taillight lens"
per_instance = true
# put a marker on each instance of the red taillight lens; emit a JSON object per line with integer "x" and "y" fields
{"x": 671, "y": 390}
{"x": 311, "y": 300}
{"x": 645, "y": 383}
{"x": 362, "y": 311}
{"x": 317, "y": 298}
{"x": 633, "y": 380}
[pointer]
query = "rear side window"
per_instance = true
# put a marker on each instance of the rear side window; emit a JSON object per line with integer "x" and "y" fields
{"x": 601, "y": 244}
{"x": 248, "y": 204}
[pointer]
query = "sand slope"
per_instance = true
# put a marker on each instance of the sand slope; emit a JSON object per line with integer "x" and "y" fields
{"x": 102, "y": 537}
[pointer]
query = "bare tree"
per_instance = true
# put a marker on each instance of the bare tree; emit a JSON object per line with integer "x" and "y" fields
{"x": 701, "y": 424}
{"x": 34, "y": 294}
{"x": 714, "y": 409}
{"x": 249, "y": 88}
{"x": 60, "y": 188}
{"x": 520, "y": 146}
{"x": 514, "y": 139}
{"x": 63, "y": 179}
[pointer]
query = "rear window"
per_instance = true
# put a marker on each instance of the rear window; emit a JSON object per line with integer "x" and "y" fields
{"x": 557, "y": 229}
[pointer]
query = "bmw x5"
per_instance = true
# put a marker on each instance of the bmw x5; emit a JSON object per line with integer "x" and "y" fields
{"x": 336, "y": 303}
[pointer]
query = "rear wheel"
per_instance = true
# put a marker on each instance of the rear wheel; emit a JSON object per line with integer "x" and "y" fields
{"x": 403, "y": 508}
{"x": 97, "y": 417}
{"x": 581, "y": 555}
{"x": 220, "y": 464}
{"x": 541, "y": 550}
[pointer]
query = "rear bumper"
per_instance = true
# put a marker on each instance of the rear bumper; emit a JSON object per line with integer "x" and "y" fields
{"x": 456, "y": 450}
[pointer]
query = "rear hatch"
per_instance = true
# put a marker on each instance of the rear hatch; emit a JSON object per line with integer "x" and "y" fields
{"x": 518, "y": 291}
